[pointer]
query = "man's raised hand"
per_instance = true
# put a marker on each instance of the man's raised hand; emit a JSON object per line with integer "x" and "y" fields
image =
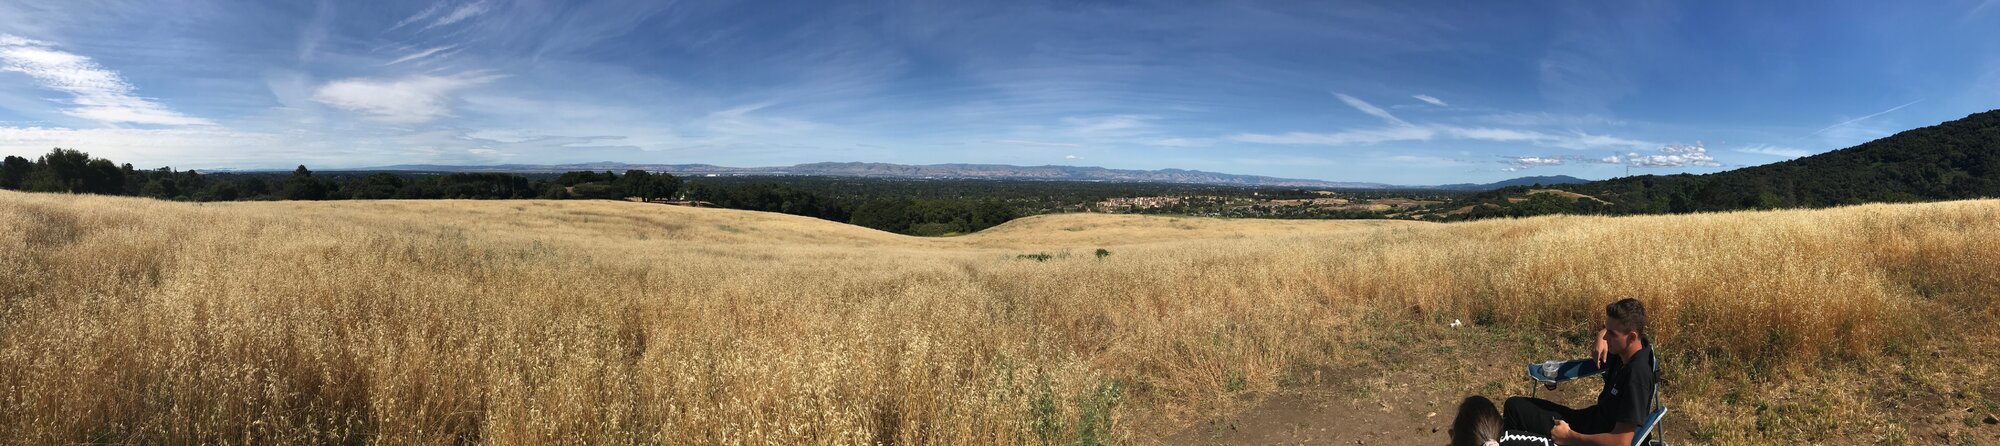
{"x": 1600, "y": 351}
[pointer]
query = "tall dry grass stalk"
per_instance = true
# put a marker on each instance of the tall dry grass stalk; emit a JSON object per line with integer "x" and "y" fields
{"x": 511, "y": 322}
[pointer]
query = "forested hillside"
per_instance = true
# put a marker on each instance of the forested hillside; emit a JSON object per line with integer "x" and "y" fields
{"x": 1953, "y": 160}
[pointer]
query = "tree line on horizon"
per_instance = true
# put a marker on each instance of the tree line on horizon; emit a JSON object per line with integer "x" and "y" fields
{"x": 73, "y": 171}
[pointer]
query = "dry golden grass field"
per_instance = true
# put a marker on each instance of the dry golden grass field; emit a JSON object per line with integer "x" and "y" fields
{"x": 127, "y": 320}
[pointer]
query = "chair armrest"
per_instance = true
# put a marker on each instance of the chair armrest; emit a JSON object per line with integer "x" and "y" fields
{"x": 1567, "y": 371}
{"x": 1645, "y": 430}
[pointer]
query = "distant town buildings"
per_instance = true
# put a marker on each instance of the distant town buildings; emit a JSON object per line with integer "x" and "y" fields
{"x": 1139, "y": 202}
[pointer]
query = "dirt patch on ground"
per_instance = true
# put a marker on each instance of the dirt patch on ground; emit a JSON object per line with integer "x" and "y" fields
{"x": 1559, "y": 193}
{"x": 1466, "y": 209}
{"x": 1409, "y": 398}
{"x": 1326, "y": 415}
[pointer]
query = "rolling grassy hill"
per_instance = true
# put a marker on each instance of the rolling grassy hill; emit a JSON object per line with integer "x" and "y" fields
{"x": 391, "y": 322}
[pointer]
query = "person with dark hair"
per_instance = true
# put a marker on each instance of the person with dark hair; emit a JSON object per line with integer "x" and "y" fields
{"x": 1478, "y": 424}
{"x": 1625, "y": 401}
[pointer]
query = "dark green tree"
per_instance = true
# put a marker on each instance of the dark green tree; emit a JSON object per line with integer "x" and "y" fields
{"x": 580, "y": 177}
{"x": 596, "y": 191}
{"x": 224, "y": 190}
{"x": 62, "y": 170}
{"x": 376, "y": 187}
{"x": 14, "y": 172}
{"x": 637, "y": 183}
{"x": 649, "y": 186}
{"x": 302, "y": 186}
{"x": 162, "y": 188}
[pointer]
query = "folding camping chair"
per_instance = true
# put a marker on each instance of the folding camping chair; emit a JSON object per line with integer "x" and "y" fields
{"x": 1580, "y": 368}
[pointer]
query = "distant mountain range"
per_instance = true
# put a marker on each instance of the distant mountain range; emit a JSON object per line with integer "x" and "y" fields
{"x": 972, "y": 171}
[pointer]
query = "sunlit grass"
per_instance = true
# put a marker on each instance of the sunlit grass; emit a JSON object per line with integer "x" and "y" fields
{"x": 131, "y": 320}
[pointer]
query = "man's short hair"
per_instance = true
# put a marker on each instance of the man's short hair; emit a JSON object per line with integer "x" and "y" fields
{"x": 1628, "y": 312}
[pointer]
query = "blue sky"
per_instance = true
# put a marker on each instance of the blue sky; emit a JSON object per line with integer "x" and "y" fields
{"x": 1408, "y": 92}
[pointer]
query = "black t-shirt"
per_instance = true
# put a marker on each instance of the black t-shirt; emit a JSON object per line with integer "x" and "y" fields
{"x": 1628, "y": 390}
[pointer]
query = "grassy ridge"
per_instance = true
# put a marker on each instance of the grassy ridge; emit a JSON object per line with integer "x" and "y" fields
{"x": 131, "y": 320}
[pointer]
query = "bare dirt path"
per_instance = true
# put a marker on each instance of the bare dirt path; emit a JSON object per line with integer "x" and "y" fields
{"x": 1407, "y": 397}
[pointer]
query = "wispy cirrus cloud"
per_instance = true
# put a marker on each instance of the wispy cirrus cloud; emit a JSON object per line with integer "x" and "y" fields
{"x": 407, "y": 100}
{"x": 1428, "y": 99}
{"x": 96, "y": 93}
{"x": 438, "y": 15}
{"x": 1181, "y": 142}
{"x": 1786, "y": 152}
{"x": 1350, "y": 137}
{"x": 421, "y": 54}
{"x": 462, "y": 12}
{"x": 1549, "y": 119}
{"x": 1108, "y": 126}
{"x": 1018, "y": 142}
{"x": 1400, "y": 130}
{"x": 1370, "y": 109}
{"x": 420, "y": 16}
{"x": 1863, "y": 118}
{"x": 744, "y": 122}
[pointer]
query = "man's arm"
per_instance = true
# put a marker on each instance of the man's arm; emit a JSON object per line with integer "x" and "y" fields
{"x": 1620, "y": 435}
{"x": 1602, "y": 350}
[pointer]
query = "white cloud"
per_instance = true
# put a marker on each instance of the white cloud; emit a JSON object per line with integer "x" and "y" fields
{"x": 1536, "y": 161}
{"x": 13, "y": 40}
{"x": 1431, "y": 100}
{"x": 1070, "y": 157}
{"x": 420, "y": 54}
{"x": 1520, "y": 163}
{"x": 97, "y": 93}
{"x": 1787, "y": 152}
{"x": 409, "y": 100}
{"x": 461, "y": 13}
{"x": 1673, "y": 155}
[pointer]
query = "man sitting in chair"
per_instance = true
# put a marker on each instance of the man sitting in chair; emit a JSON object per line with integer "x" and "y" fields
{"x": 1628, "y": 388}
